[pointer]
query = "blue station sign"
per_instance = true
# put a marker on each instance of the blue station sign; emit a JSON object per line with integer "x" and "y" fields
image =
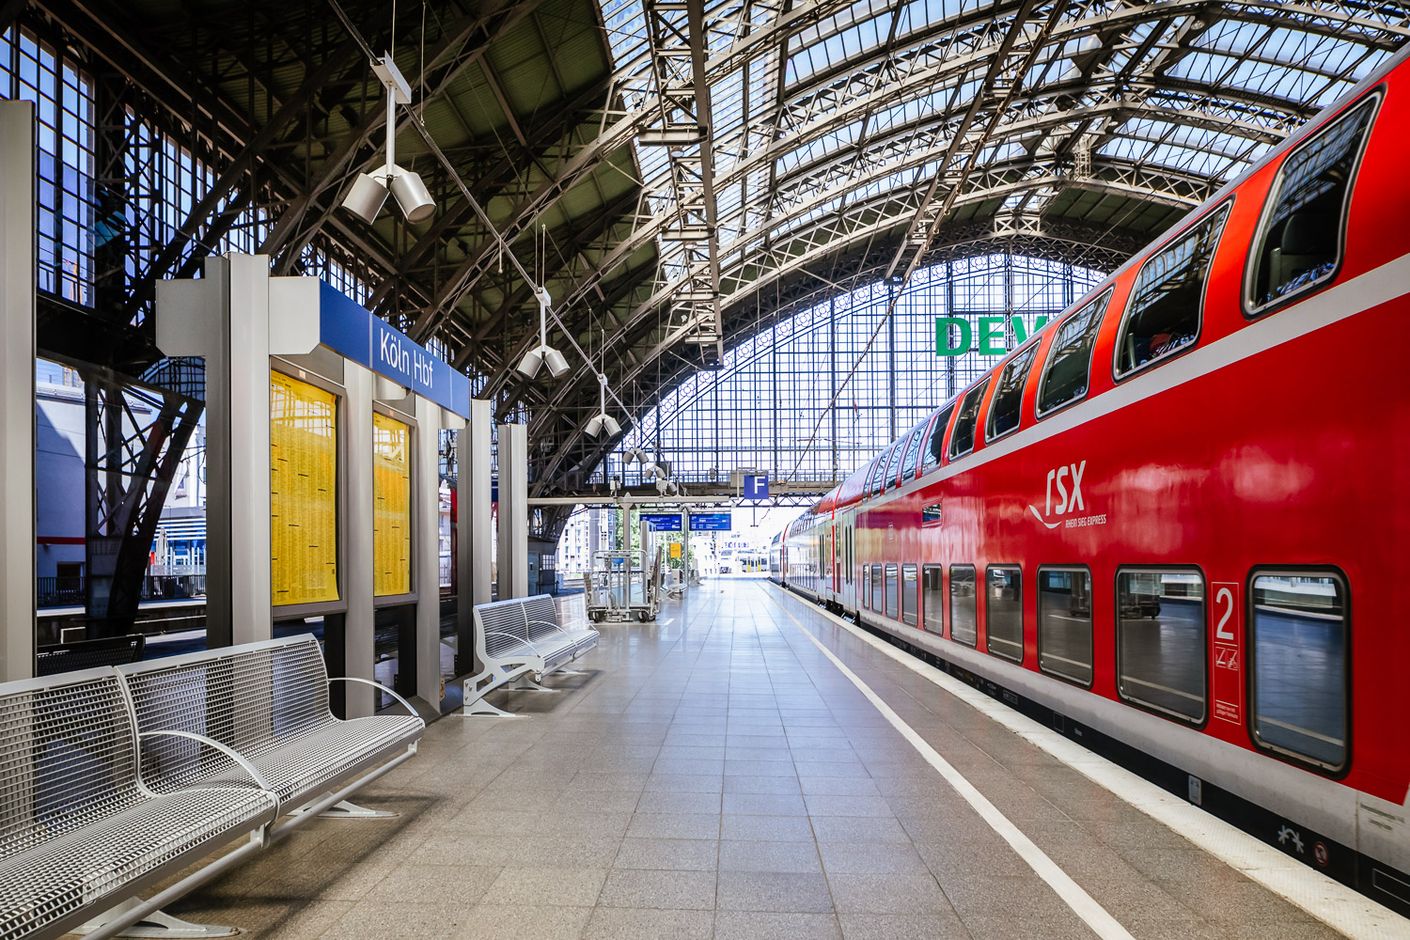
{"x": 711, "y": 522}
{"x": 353, "y": 331}
{"x": 756, "y": 486}
{"x": 662, "y": 521}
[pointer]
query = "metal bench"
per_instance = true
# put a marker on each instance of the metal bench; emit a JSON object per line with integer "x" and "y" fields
{"x": 521, "y": 639}
{"x": 267, "y": 703}
{"x": 80, "y": 832}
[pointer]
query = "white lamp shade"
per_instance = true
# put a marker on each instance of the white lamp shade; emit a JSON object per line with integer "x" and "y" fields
{"x": 412, "y": 195}
{"x": 594, "y": 427}
{"x": 557, "y": 364}
{"x": 610, "y": 423}
{"x": 365, "y": 198}
{"x": 529, "y": 365}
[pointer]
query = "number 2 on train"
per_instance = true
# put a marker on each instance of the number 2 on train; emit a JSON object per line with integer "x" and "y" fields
{"x": 1228, "y": 652}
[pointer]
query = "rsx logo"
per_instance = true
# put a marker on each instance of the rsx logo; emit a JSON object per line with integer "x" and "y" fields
{"x": 1066, "y": 481}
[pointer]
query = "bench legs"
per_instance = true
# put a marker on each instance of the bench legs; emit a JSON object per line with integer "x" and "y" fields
{"x": 477, "y": 687}
{"x": 155, "y": 924}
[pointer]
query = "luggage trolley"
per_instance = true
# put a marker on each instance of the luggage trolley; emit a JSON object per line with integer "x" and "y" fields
{"x": 619, "y": 589}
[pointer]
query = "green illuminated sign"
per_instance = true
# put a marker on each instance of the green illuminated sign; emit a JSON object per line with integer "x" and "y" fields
{"x": 955, "y": 336}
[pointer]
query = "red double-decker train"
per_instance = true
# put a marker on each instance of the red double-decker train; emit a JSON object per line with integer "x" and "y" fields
{"x": 1177, "y": 516}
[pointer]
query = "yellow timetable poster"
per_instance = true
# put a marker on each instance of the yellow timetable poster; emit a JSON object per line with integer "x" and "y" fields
{"x": 303, "y": 491}
{"x": 391, "y": 492}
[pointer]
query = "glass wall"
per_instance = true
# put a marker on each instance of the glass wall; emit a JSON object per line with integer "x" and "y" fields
{"x": 814, "y": 396}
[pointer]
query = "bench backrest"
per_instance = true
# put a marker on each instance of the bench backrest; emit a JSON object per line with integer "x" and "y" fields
{"x": 247, "y": 697}
{"x": 542, "y": 615}
{"x": 67, "y": 756}
{"x": 500, "y": 624}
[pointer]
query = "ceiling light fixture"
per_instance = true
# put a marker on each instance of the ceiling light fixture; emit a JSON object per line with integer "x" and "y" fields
{"x": 368, "y": 193}
{"x": 602, "y": 421}
{"x": 543, "y": 354}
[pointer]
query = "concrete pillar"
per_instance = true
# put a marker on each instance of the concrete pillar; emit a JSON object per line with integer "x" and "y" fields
{"x": 236, "y": 317}
{"x": 425, "y": 550}
{"x": 356, "y": 536}
{"x": 17, "y": 285}
{"x": 513, "y": 511}
{"x": 474, "y": 512}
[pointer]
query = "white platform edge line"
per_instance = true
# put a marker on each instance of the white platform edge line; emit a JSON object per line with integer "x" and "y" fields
{"x": 1320, "y": 896}
{"x": 1069, "y": 891}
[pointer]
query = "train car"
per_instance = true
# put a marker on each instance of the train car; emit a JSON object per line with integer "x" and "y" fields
{"x": 776, "y": 558}
{"x": 1174, "y": 517}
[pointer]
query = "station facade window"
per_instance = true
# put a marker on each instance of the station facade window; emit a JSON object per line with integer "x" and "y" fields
{"x": 909, "y": 598}
{"x": 1065, "y": 623}
{"x": 1003, "y": 611}
{"x": 1166, "y": 307}
{"x": 1300, "y": 687}
{"x": 932, "y": 599}
{"x": 962, "y": 440}
{"x": 963, "y": 605}
{"x": 1007, "y": 406}
{"x": 1067, "y": 374}
{"x": 1300, "y": 240}
{"x": 1161, "y": 653}
{"x": 892, "y": 592}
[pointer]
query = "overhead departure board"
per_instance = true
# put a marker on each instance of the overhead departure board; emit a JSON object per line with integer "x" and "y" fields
{"x": 391, "y": 491}
{"x": 303, "y": 492}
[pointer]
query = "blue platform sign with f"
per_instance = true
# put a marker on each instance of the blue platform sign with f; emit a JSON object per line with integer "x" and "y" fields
{"x": 756, "y": 486}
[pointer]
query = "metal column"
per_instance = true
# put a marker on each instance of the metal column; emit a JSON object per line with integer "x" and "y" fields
{"x": 358, "y": 522}
{"x": 425, "y": 550}
{"x": 513, "y": 511}
{"x": 474, "y": 518}
{"x": 17, "y": 286}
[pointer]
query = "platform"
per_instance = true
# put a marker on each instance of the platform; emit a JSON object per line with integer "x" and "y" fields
{"x": 717, "y": 774}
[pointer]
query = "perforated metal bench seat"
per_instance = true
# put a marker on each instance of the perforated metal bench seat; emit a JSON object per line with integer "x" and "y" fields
{"x": 519, "y": 637}
{"x": 267, "y": 702}
{"x": 80, "y": 831}
{"x": 57, "y": 883}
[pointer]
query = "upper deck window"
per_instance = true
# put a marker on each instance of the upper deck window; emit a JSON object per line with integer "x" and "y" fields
{"x": 1067, "y": 374}
{"x": 1008, "y": 396}
{"x": 878, "y": 479}
{"x": 1164, "y": 313}
{"x": 908, "y": 466}
{"x": 962, "y": 441}
{"x": 1301, "y": 237}
{"x": 893, "y": 464}
{"x": 936, "y": 448}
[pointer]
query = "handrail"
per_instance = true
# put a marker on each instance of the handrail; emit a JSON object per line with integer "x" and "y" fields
{"x": 534, "y": 649}
{"x": 229, "y": 752}
{"x": 549, "y": 623}
{"x": 377, "y": 685}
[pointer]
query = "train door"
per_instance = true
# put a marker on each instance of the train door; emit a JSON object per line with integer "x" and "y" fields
{"x": 834, "y": 565}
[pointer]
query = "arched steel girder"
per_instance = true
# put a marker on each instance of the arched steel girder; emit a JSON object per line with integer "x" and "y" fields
{"x": 870, "y": 219}
{"x": 1068, "y": 242}
{"x": 619, "y": 134}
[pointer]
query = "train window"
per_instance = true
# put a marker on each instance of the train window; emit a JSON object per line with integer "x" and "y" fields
{"x": 893, "y": 465}
{"x": 1300, "y": 240}
{"x": 1163, "y": 314}
{"x": 1300, "y": 668}
{"x": 909, "y": 599}
{"x": 876, "y": 588}
{"x": 1003, "y": 611}
{"x": 1008, "y": 395}
{"x": 866, "y": 587}
{"x": 1160, "y": 641}
{"x": 1069, "y": 367}
{"x": 871, "y": 475}
{"x": 936, "y": 448}
{"x": 962, "y": 441}
{"x": 892, "y": 595}
{"x": 963, "y": 615}
{"x": 932, "y": 599}
{"x": 908, "y": 466}
{"x": 1065, "y": 623}
{"x": 878, "y": 481}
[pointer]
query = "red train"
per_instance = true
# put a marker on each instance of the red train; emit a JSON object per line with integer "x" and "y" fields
{"x": 1179, "y": 515}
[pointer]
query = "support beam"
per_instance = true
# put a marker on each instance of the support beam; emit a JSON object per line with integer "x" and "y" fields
{"x": 425, "y": 550}
{"x": 474, "y": 518}
{"x": 359, "y": 520}
{"x": 17, "y": 288}
{"x": 513, "y": 511}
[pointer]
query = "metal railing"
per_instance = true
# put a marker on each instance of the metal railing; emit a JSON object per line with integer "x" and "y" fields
{"x": 71, "y": 590}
